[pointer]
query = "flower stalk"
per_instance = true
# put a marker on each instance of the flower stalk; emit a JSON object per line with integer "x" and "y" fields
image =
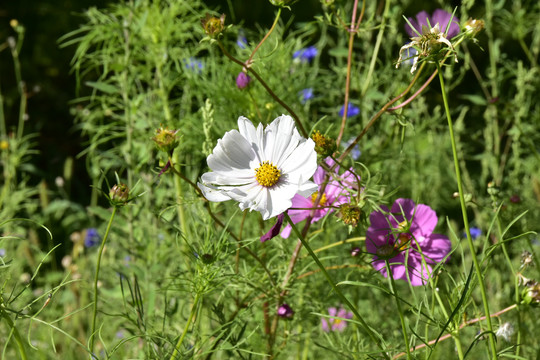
{"x": 477, "y": 268}
{"x": 96, "y": 277}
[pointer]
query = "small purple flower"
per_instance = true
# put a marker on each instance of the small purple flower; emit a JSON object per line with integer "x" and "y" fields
{"x": 285, "y": 311}
{"x": 193, "y": 64}
{"x": 439, "y": 16}
{"x": 335, "y": 194}
{"x": 305, "y": 95}
{"x": 306, "y": 54}
{"x": 242, "y": 80}
{"x": 401, "y": 236}
{"x": 351, "y": 110}
{"x": 336, "y": 324}
{"x": 475, "y": 232}
{"x": 91, "y": 238}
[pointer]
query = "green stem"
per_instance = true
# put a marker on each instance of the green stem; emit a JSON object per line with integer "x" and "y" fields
{"x": 96, "y": 277}
{"x": 248, "y": 63}
{"x": 477, "y": 268}
{"x": 378, "y": 42}
{"x": 186, "y": 328}
{"x": 393, "y": 290}
{"x": 16, "y": 334}
{"x": 336, "y": 289}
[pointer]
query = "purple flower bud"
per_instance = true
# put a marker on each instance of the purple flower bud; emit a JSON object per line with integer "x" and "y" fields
{"x": 355, "y": 252}
{"x": 242, "y": 80}
{"x": 285, "y": 311}
{"x": 274, "y": 230}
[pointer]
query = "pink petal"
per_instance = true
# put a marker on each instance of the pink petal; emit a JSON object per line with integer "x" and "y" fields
{"x": 435, "y": 247}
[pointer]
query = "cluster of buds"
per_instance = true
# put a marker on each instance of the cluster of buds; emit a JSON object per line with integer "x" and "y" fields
{"x": 213, "y": 26}
{"x": 166, "y": 140}
{"x": 324, "y": 145}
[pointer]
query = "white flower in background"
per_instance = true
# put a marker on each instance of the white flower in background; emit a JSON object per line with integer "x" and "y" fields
{"x": 505, "y": 331}
{"x": 261, "y": 168}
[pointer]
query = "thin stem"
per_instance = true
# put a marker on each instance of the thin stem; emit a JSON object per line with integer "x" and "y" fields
{"x": 477, "y": 268}
{"x": 352, "y": 33}
{"x": 336, "y": 289}
{"x": 376, "y": 48}
{"x": 96, "y": 277}
{"x": 392, "y": 285}
{"x": 186, "y": 328}
{"x": 250, "y": 60}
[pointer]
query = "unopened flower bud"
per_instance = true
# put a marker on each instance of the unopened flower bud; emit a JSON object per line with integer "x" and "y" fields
{"x": 355, "y": 252}
{"x": 166, "y": 140}
{"x": 324, "y": 145}
{"x": 119, "y": 195}
{"x": 531, "y": 293}
{"x": 212, "y": 25}
{"x": 473, "y": 27}
{"x": 285, "y": 311}
{"x": 242, "y": 80}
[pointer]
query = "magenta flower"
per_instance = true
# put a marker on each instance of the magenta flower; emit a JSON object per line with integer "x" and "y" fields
{"x": 403, "y": 236}
{"x": 335, "y": 194}
{"x": 440, "y": 17}
{"x": 336, "y": 324}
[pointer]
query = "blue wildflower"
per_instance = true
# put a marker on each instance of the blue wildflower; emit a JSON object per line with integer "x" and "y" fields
{"x": 241, "y": 40}
{"x": 193, "y": 64}
{"x": 2, "y": 252}
{"x": 475, "y": 232}
{"x": 306, "y": 54}
{"x": 351, "y": 110}
{"x": 355, "y": 152}
{"x": 92, "y": 238}
{"x": 305, "y": 95}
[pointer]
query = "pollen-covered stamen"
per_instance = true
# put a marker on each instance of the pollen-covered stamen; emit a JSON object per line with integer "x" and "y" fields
{"x": 322, "y": 202}
{"x": 267, "y": 174}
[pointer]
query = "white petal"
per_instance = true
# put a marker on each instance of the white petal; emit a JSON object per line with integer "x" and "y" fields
{"x": 307, "y": 188}
{"x": 246, "y": 128}
{"x": 232, "y": 152}
{"x": 302, "y": 162}
{"x": 213, "y": 194}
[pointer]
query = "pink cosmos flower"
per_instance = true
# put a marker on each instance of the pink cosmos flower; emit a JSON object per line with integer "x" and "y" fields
{"x": 401, "y": 236}
{"x": 336, "y": 324}
{"x": 335, "y": 194}
{"x": 440, "y": 17}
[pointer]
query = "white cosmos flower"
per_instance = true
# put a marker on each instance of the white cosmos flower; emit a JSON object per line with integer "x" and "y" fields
{"x": 261, "y": 168}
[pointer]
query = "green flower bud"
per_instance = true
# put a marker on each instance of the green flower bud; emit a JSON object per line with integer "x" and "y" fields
{"x": 119, "y": 195}
{"x": 166, "y": 140}
{"x": 212, "y": 25}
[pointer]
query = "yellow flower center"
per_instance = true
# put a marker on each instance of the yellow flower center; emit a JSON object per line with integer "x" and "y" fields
{"x": 322, "y": 202}
{"x": 403, "y": 241}
{"x": 267, "y": 174}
